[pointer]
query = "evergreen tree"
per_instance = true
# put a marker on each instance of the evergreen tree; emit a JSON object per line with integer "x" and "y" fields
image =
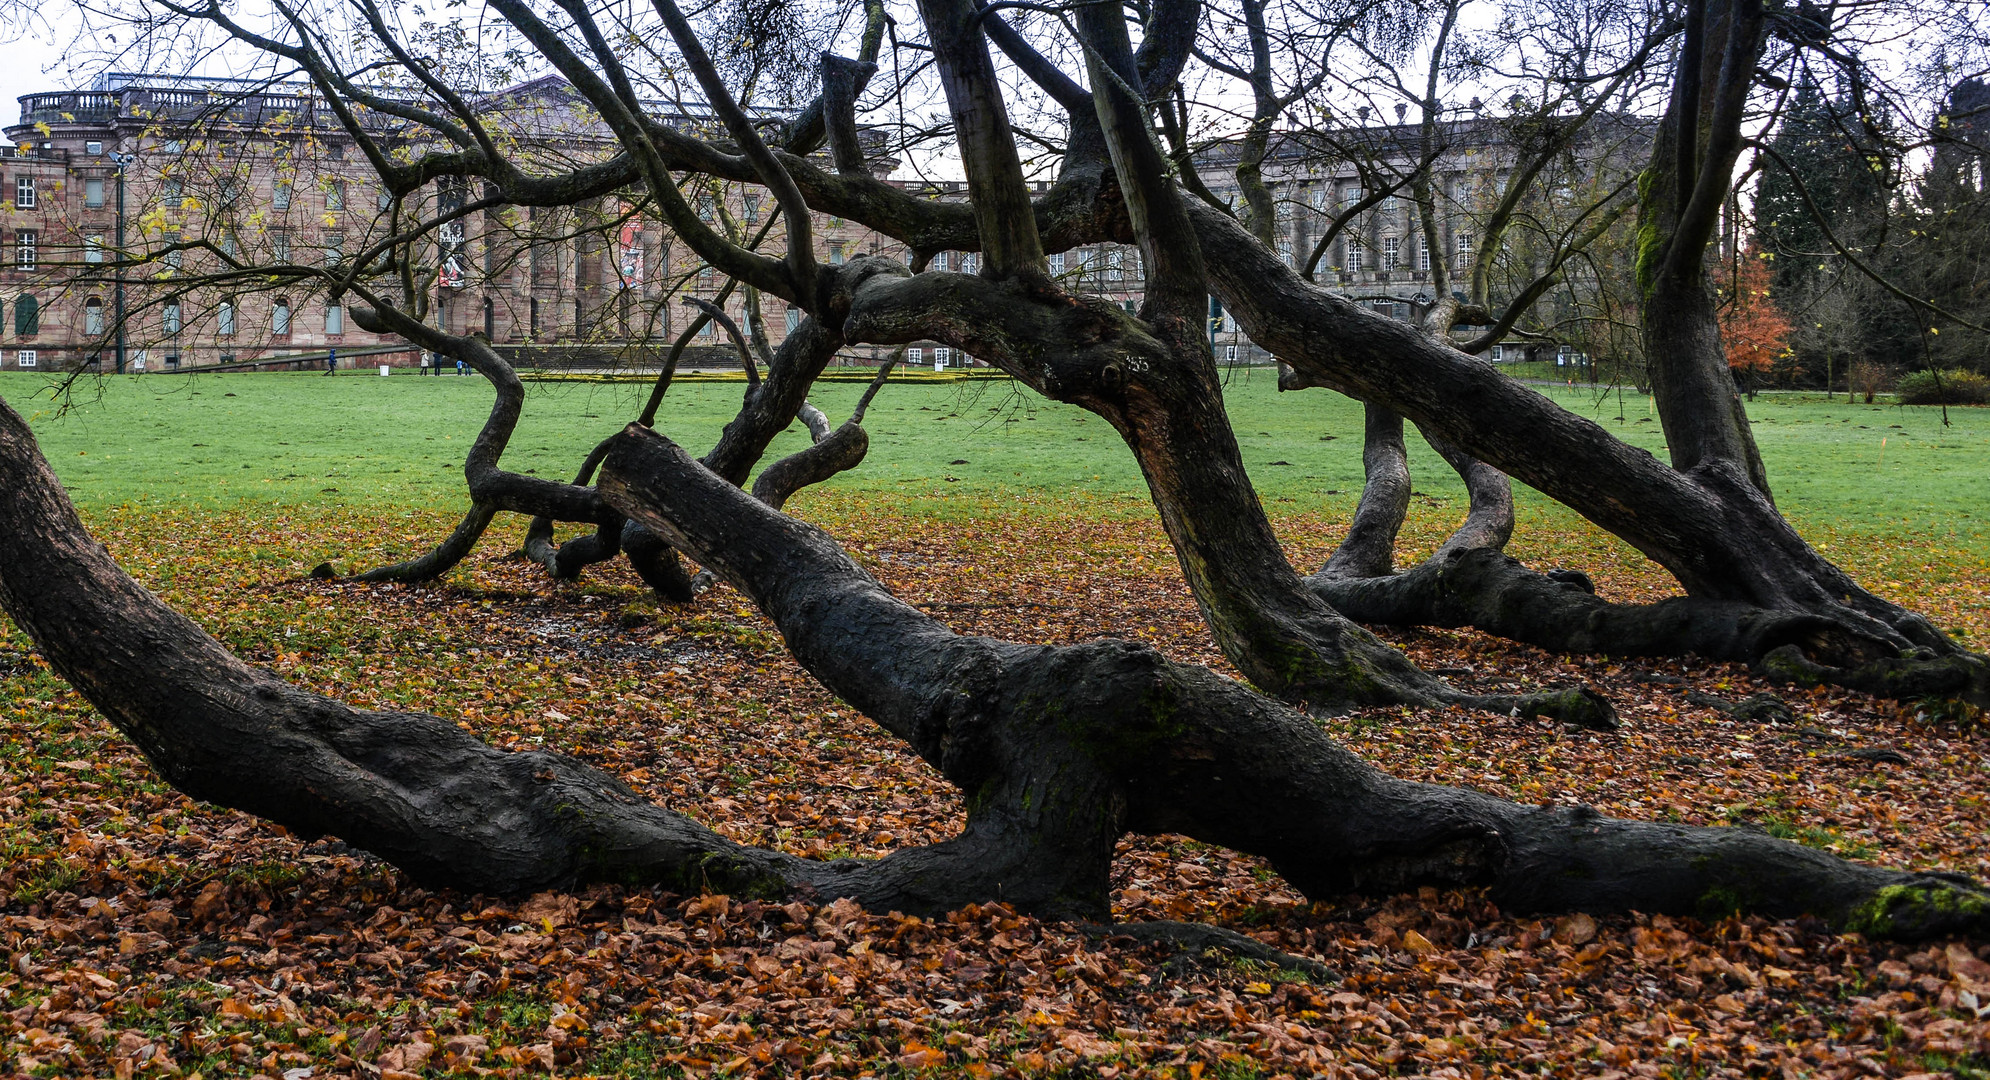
{"x": 1840, "y": 161}
{"x": 1952, "y": 233}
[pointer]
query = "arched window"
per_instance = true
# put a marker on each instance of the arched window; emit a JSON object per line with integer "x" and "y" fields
{"x": 93, "y": 316}
{"x": 280, "y": 320}
{"x": 224, "y": 318}
{"x": 27, "y": 316}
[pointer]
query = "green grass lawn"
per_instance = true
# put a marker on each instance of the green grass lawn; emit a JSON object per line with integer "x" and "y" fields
{"x": 224, "y": 440}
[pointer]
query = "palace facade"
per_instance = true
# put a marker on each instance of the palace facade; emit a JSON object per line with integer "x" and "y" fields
{"x": 198, "y": 181}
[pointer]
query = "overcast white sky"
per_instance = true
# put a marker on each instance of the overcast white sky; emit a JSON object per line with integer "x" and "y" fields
{"x": 21, "y": 70}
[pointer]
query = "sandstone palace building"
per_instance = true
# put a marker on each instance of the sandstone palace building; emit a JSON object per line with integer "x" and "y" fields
{"x": 124, "y": 207}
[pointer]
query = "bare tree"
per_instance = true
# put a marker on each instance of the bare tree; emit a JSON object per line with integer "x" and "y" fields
{"x": 1058, "y": 751}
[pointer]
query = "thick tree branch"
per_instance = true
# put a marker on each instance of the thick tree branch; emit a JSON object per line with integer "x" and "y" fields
{"x": 998, "y": 193}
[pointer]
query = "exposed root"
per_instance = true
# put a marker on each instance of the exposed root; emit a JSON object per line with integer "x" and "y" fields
{"x": 1059, "y": 751}
{"x": 1198, "y": 939}
{"x": 1753, "y": 709}
{"x": 437, "y": 562}
{"x": 1959, "y": 676}
{"x": 1582, "y": 706}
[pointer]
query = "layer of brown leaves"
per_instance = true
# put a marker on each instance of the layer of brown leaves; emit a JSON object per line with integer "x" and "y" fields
{"x": 149, "y": 935}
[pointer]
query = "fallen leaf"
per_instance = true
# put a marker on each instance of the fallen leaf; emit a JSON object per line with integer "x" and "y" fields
{"x": 1576, "y": 929}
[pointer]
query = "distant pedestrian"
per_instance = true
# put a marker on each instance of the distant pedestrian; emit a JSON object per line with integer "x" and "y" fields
{"x": 459, "y": 365}
{"x": 331, "y": 362}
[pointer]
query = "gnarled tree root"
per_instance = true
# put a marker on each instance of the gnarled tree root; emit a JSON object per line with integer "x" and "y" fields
{"x": 492, "y": 489}
{"x": 658, "y": 564}
{"x": 1052, "y": 745}
{"x": 1487, "y": 590}
{"x": 1058, "y": 751}
{"x": 1198, "y": 938}
{"x": 1962, "y": 676}
{"x": 1491, "y": 591}
{"x": 437, "y": 562}
{"x": 565, "y": 561}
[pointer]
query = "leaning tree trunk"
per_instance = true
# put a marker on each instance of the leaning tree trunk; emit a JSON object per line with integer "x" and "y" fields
{"x": 1058, "y": 751}
{"x": 1153, "y": 379}
{"x": 1711, "y": 527}
{"x": 492, "y": 488}
{"x": 770, "y": 405}
{"x": 1756, "y": 590}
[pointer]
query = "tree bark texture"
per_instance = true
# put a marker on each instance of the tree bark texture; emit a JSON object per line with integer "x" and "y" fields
{"x": 1369, "y": 549}
{"x": 1680, "y": 195}
{"x": 435, "y": 563}
{"x": 1057, "y": 750}
{"x": 1710, "y": 526}
{"x": 1146, "y": 380}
